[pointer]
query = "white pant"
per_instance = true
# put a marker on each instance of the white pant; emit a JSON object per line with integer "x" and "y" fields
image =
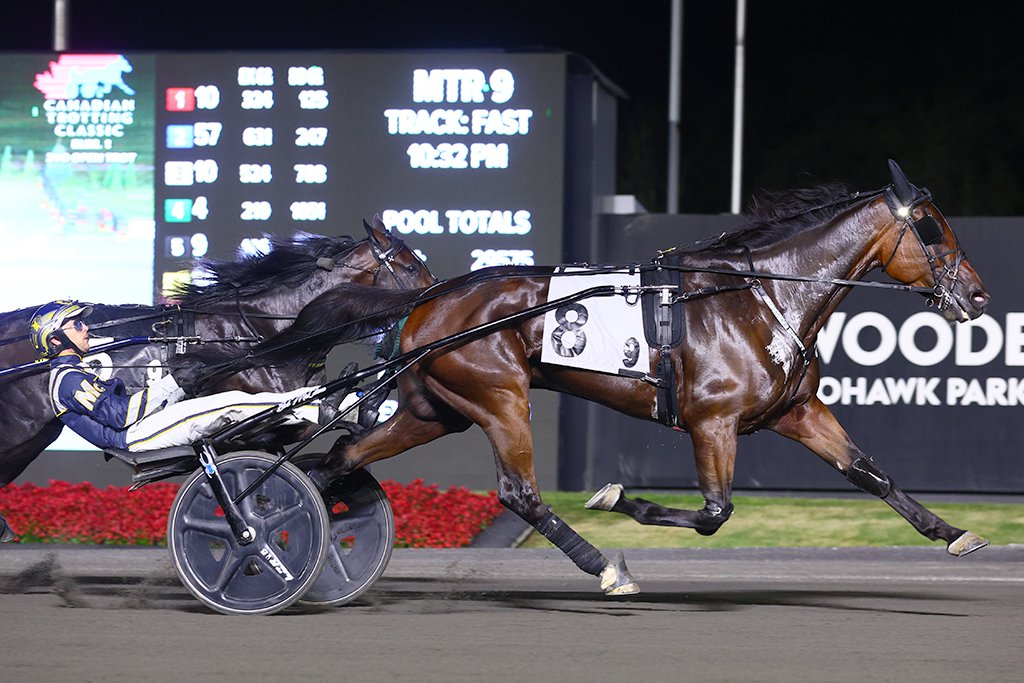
{"x": 182, "y": 423}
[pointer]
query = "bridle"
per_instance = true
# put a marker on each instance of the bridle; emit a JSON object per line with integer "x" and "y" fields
{"x": 384, "y": 259}
{"x": 929, "y": 233}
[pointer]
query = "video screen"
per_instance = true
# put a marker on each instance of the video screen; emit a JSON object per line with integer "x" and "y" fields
{"x": 76, "y": 178}
{"x": 117, "y": 171}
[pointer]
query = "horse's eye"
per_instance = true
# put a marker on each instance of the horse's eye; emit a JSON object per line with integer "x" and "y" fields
{"x": 412, "y": 268}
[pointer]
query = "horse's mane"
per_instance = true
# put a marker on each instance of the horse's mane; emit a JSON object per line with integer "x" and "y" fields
{"x": 15, "y": 315}
{"x": 290, "y": 262}
{"x": 777, "y": 216}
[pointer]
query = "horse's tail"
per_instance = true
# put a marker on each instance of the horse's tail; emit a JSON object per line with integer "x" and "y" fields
{"x": 346, "y": 313}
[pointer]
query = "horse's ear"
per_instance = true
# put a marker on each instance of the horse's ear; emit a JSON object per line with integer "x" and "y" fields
{"x": 904, "y": 190}
{"x": 378, "y": 232}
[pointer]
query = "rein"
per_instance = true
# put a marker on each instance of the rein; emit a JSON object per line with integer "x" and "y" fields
{"x": 44, "y": 363}
{"x": 753, "y": 277}
{"x": 384, "y": 259}
{"x": 172, "y": 339}
{"x": 99, "y": 326}
{"x": 802, "y": 278}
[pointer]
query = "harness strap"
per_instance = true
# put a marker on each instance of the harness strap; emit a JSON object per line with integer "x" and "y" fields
{"x": 899, "y": 240}
{"x": 245, "y": 319}
{"x": 667, "y": 397}
{"x": 758, "y": 289}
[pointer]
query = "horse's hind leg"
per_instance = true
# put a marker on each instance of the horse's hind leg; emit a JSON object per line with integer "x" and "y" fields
{"x": 402, "y": 432}
{"x": 814, "y": 425}
{"x": 500, "y": 406}
{"x": 519, "y": 494}
{"x": 714, "y": 444}
{"x": 14, "y": 460}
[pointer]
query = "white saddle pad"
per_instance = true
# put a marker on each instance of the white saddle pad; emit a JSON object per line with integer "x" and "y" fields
{"x": 602, "y": 333}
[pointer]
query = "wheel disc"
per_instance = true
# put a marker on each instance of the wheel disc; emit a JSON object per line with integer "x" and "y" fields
{"x": 278, "y": 567}
{"x": 362, "y": 536}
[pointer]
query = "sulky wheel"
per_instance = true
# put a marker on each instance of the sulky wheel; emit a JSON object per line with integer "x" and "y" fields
{"x": 362, "y": 535}
{"x": 268, "y": 574}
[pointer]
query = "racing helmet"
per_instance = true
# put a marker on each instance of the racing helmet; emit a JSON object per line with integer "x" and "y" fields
{"x": 48, "y": 320}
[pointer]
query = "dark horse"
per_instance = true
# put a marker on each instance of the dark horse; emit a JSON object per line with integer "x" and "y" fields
{"x": 756, "y": 301}
{"x": 239, "y": 303}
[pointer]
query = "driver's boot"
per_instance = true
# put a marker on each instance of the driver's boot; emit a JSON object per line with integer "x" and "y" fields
{"x": 338, "y": 404}
{"x": 369, "y": 410}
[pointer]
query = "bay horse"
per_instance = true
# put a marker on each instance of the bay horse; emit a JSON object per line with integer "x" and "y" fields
{"x": 757, "y": 299}
{"x": 236, "y": 304}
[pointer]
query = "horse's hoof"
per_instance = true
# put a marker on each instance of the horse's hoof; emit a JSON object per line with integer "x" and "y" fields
{"x": 616, "y": 579}
{"x": 606, "y": 498}
{"x": 966, "y": 544}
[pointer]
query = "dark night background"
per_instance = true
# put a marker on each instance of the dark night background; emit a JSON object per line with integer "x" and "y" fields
{"x": 832, "y": 88}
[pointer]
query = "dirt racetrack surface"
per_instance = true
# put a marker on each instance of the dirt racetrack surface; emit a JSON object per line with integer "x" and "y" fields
{"x": 853, "y": 614}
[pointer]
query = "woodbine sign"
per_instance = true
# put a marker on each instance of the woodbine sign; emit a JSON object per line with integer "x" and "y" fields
{"x": 923, "y": 340}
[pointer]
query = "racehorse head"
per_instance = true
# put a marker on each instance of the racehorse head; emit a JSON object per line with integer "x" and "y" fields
{"x": 923, "y": 251}
{"x": 393, "y": 264}
{"x": 381, "y": 260}
{"x": 267, "y": 293}
{"x": 301, "y": 267}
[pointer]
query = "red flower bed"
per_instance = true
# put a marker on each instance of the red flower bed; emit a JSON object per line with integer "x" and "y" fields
{"x": 428, "y": 518}
{"x": 82, "y": 513}
{"x": 425, "y": 517}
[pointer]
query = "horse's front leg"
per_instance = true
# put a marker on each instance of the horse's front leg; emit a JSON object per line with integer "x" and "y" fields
{"x": 814, "y": 425}
{"x": 714, "y": 443}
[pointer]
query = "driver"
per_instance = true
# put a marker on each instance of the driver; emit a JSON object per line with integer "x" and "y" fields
{"x": 104, "y": 414}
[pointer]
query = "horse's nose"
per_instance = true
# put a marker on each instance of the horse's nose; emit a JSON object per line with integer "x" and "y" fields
{"x": 980, "y": 299}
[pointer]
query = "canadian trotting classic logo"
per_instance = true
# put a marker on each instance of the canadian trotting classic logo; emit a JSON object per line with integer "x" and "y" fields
{"x": 85, "y": 120}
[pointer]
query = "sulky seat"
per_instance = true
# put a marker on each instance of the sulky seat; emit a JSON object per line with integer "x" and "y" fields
{"x": 156, "y": 464}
